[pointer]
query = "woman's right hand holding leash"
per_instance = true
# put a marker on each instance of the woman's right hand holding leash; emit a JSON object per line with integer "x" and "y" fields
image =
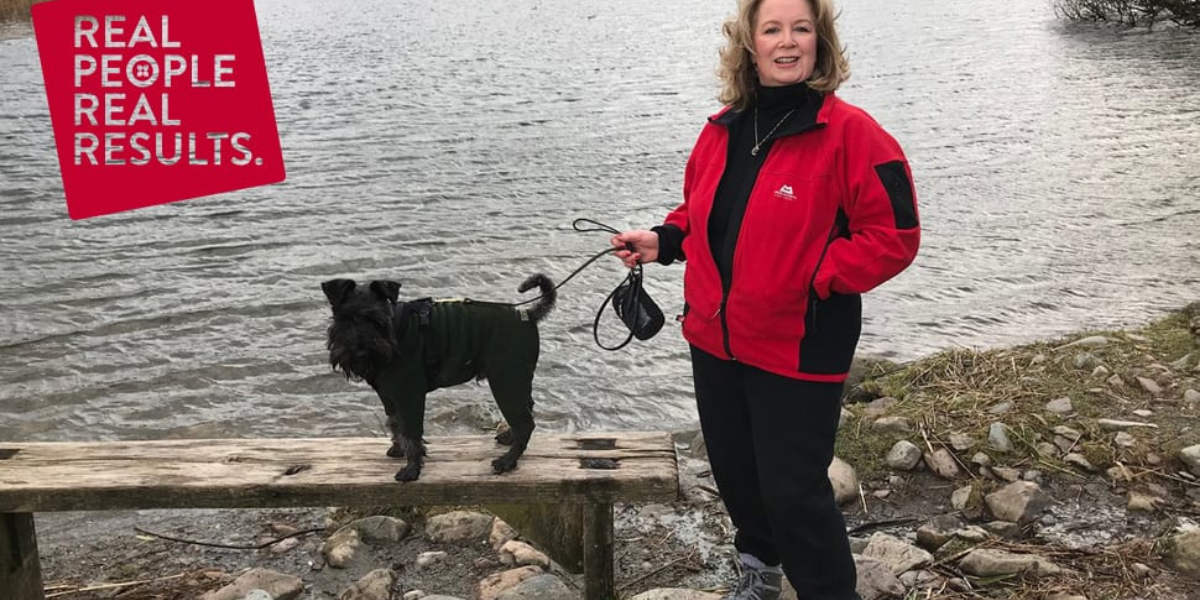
{"x": 635, "y": 247}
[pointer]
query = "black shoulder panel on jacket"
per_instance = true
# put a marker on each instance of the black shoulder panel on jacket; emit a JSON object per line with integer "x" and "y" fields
{"x": 899, "y": 189}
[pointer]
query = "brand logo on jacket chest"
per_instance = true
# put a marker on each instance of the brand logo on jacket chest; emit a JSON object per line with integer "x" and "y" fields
{"x": 785, "y": 192}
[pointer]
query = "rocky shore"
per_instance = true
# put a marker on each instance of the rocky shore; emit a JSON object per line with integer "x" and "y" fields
{"x": 1066, "y": 470}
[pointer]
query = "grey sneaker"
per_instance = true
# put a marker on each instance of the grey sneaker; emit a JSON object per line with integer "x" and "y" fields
{"x": 757, "y": 583}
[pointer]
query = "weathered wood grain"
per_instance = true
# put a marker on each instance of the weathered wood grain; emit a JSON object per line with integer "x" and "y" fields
{"x": 598, "y": 542}
{"x": 254, "y": 473}
{"x": 20, "y": 570}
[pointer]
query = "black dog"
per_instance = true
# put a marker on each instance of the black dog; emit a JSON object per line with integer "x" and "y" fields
{"x": 406, "y": 349}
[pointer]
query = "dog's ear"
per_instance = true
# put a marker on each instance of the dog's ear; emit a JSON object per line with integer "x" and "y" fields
{"x": 336, "y": 289}
{"x": 387, "y": 289}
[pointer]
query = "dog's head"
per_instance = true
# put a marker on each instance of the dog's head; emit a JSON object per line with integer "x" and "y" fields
{"x": 362, "y": 337}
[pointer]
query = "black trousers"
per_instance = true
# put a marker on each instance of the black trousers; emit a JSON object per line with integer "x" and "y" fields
{"x": 770, "y": 441}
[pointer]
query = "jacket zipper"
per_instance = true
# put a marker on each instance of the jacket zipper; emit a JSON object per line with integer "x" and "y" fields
{"x": 725, "y": 325}
{"x": 726, "y": 286}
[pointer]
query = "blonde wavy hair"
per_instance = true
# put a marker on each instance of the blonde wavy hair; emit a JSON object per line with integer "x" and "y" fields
{"x": 736, "y": 69}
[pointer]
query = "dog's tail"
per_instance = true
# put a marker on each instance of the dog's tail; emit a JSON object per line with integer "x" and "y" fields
{"x": 549, "y": 295}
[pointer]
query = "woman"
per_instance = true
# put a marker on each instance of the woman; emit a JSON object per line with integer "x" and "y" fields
{"x": 795, "y": 202}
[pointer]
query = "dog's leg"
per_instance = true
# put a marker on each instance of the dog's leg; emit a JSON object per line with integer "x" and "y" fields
{"x": 513, "y": 388}
{"x": 505, "y": 438}
{"x": 395, "y": 427}
{"x": 412, "y": 431}
{"x": 402, "y": 387}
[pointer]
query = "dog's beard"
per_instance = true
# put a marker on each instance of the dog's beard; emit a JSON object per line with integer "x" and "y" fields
{"x": 357, "y": 354}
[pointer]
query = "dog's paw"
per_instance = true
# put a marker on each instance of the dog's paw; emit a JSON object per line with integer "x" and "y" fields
{"x": 409, "y": 473}
{"x": 505, "y": 438}
{"x": 503, "y": 464}
{"x": 396, "y": 451}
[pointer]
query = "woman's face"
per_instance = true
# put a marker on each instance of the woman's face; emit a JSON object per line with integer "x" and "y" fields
{"x": 785, "y": 42}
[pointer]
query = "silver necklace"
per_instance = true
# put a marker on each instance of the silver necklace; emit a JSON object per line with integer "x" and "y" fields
{"x": 757, "y": 142}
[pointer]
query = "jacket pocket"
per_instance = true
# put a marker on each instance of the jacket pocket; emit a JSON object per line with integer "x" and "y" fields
{"x": 832, "y": 329}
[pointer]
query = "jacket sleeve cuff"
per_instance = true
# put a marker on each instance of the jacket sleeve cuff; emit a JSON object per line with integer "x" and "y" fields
{"x": 670, "y": 244}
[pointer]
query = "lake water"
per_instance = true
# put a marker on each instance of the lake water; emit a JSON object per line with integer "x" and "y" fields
{"x": 450, "y": 145}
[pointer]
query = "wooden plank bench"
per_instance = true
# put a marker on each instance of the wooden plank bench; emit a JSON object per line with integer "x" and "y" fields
{"x": 591, "y": 471}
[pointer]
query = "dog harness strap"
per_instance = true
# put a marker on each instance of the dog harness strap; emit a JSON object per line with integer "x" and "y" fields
{"x": 424, "y": 308}
{"x": 400, "y": 318}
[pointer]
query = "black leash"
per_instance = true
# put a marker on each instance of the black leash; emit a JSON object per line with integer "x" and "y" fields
{"x": 632, "y": 303}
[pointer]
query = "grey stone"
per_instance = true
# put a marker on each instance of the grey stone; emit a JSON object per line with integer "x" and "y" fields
{"x": 520, "y": 554}
{"x": 1047, "y": 449}
{"x": 897, "y": 554}
{"x": 1079, "y": 461}
{"x": 279, "y": 585}
{"x": 1182, "y": 552}
{"x": 876, "y": 580}
{"x": 878, "y": 407}
{"x": 1008, "y": 474}
{"x": 540, "y": 587}
{"x": 998, "y": 438}
{"x": 1141, "y": 570}
{"x": 376, "y": 585}
{"x": 675, "y": 594}
{"x": 1139, "y": 502}
{"x": 1004, "y": 529}
{"x": 458, "y": 527}
{"x": 426, "y": 559}
{"x": 341, "y": 548}
{"x": 1191, "y": 457}
{"x": 1060, "y": 406}
{"x": 844, "y": 480}
{"x": 966, "y": 500}
{"x": 974, "y": 533}
{"x": 934, "y": 533}
{"x": 991, "y": 563}
{"x": 492, "y": 586}
{"x": 942, "y": 463}
{"x": 1150, "y": 385}
{"x": 1001, "y": 408}
{"x": 1191, "y": 396}
{"x": 380, "y": 528}
{"x": 501, "y": 533}
{"x": 893, "y": 424}
{"x": 1018, "y": 502}
{"x": 962, "y": 442}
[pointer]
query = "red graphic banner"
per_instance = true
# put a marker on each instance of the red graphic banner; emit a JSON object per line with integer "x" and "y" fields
{"x": 156, "y": 101}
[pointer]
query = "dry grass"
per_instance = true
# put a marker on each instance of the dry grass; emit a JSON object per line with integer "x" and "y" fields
{"x": 1103, "y": 574}
{"x": 957, "y": 390}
